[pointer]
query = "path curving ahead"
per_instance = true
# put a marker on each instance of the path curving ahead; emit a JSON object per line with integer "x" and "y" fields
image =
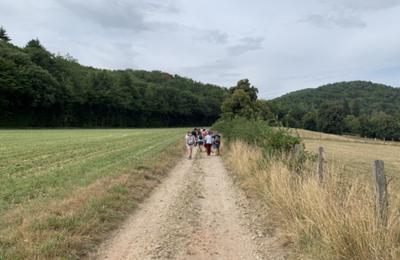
{"x": 194, "y": 214}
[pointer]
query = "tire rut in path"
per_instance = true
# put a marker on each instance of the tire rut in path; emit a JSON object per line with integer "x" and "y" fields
{"x": 193, "y": 214}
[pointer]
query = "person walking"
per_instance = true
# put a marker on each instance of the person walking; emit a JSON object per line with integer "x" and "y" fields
{"x": 208, "y": 142}
{"x": 216, "y": 142}
{"x": 200, "y": 141}
{"x": 189, "y": 141}
{"x": 203, "y": 133}
{"x": 194, "y": 133}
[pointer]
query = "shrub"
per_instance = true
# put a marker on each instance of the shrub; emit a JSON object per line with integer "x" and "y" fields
{"x": 257, "y": 132}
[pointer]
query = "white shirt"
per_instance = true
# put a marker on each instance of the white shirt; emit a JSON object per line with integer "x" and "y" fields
{"x": 208, "y": 139}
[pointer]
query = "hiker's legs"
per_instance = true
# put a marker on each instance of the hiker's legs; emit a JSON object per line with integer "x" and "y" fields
{"x": 190, "y": 151}
{"x": 208, "y": 147}
{"x": 217, "y": 149}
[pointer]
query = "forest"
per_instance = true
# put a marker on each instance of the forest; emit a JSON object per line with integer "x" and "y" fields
{"x": 41, "y": 89}
{"x": 357, "y": 108}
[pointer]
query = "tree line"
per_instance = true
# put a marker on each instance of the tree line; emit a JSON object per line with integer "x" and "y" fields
{"x": 357, "y": 108}
{"x": 41, "y": 89}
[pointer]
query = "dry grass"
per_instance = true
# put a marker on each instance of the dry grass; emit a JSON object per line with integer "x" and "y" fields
{"x": 307, "y": 134}
{"x": 356, "y": 154}
{"x": 332, "y": 221}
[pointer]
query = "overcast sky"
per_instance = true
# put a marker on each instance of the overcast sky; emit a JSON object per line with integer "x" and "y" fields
{"x": 280, "y": 46}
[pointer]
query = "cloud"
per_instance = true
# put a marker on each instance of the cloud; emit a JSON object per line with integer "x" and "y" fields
{"x": 330, "y": 21}
{"x": 348, "y": 13}
{"x": 246, "y": 44}
{"x": 121, "y": 14}
{"x": 221, "y": 71}
{"x": 279, "y": 45}
{"x": 167, "y": 6}
{"x": 212, "y": 66}
{"x": 234, "y": 75}
{"x": 213, "y": 36}
{"x": 364, "y": 5}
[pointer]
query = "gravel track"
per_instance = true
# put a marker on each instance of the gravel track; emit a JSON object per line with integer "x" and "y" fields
{"x": 196, "y": 213}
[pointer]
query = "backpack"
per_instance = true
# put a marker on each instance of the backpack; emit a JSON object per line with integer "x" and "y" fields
{"x": 217, "y": 139}
{"x": 190, "y": 140}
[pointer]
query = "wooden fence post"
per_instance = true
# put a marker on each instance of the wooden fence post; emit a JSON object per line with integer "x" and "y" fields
{"x": 296, "y": 150}
{"x": 381, "y": 194}
{"x": 321, "y": 161}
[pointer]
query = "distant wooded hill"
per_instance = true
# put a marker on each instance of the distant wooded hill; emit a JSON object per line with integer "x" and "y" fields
{"x": 38, "y": 88}
{"x": 356, "y": 107}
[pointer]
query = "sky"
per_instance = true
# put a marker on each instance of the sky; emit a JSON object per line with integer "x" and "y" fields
{"x": 280, "y": 46}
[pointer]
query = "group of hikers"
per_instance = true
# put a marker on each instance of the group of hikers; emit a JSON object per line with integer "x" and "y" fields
{"x": 202, "y": 137}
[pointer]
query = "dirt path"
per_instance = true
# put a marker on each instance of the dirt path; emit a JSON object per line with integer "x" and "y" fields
{"x": 196, "y": 213}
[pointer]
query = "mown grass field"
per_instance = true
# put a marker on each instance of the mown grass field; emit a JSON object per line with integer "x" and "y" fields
{"x": 62, "y": 190}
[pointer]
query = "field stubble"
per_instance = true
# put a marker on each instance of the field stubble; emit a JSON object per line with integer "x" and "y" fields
{"x": 356, "y": 154}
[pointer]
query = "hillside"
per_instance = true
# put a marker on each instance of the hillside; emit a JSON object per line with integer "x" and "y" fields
{"x": 38, "y": 88}
{"x": 356, "y": 107}
{"x": 369, "y": 96}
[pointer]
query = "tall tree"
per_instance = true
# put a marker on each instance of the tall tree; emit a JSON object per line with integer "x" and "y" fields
{"x": 264, "y": 111}
{"x": 309, "y": 121}
{"x": 3, "y": 35}
{"x": 331, "y": 118}
{"x": 346, "y": 107}
{"x": 245, "y": 85}
{"x": 352, "y": 124}
{"x": 239, "y": 104}
{"x": 356, "y": 107}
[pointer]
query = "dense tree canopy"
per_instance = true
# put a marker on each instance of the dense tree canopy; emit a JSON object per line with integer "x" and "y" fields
{"x": 243, "y": 102}
{"x": 38, "y": 88}
{"x": 245, "y": 85}
{"x": 357, "y": 107}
